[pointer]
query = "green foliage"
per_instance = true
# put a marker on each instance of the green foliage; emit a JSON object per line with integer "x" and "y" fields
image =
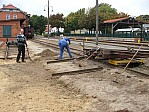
{"x": 72, "y": 21}
{"x": 144, "y": 18}
{"x": 57, "y": 21}
{"x": 80, "y": 19}
{"x": 39, "y": 23}
{"x": 106, "y": 12}
{"x": 87, "y": 18}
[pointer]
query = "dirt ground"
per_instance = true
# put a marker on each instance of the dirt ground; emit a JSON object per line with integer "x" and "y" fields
{"x": 30, "y": 87}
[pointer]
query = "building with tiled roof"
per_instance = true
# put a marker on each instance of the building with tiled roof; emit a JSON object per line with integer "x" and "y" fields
{"x": 11, "y": 20}
{"x": 121, "y": 23}
{"x": 10, "y": 6}
{"x": 116, "y": 20}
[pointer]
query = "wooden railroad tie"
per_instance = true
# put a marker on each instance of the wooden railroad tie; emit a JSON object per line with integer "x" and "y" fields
{"x": 78, "y": 71}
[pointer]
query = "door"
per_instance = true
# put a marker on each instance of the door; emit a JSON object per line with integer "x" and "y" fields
{"x": 6, "y": 31}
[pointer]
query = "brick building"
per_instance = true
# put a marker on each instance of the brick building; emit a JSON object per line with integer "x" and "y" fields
{"x": 11, "y": 20}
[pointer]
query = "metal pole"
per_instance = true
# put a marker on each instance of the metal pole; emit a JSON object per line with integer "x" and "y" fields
{"x": 48, "y": 19}
{"x": 133, "y": 27}
{"x": 96, "y": 22}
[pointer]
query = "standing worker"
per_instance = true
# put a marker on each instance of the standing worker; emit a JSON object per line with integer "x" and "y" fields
{"x": 63, "y": 43}
{"x": 21, "y": 39}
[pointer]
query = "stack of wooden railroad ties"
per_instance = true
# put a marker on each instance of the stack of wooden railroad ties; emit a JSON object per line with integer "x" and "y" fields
{"x": 119, "y": 52}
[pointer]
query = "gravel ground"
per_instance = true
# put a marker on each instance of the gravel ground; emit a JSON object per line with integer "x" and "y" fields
{"x": 29, "y": 87}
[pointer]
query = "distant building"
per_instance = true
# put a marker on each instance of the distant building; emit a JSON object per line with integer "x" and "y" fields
{"x": 46, "y": 29}
{"x": 53, "y": 30}
{"x": 146, "y": 27}
{"x": 11, "y": 20}
{"x": 128, "y": 30}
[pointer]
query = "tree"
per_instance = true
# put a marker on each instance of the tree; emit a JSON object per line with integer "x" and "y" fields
{"x": 39, "y": 23}
{"x": 121, "y": 15}
{"x": 87, "y": 19}
{"x": 72, "y": 21}
{"x": 144, "y": 18}
{"x": 57, "y": 21}
{"x": 106, "y": 12}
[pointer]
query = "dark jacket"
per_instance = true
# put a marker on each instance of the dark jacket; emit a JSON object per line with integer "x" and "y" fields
{"x": 21, "y": 39}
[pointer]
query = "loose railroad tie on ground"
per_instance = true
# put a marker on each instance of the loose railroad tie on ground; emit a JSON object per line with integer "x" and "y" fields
{"x": 88, "y": 70}
{"x": 64, "y": 60}
{"x": 78, "y": 71}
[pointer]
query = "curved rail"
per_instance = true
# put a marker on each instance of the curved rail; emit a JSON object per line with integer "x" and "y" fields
{"x": 55, "y": 46}
{"x": 75, "y": 51}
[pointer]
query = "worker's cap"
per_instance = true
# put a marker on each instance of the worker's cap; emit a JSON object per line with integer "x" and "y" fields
{"x": 61, "y": 35}
{"x": 21, "y": 30}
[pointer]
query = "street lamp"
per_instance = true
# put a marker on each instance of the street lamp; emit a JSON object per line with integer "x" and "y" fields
{"x": 48, "y": 16}
{"x": 97, "y": 22}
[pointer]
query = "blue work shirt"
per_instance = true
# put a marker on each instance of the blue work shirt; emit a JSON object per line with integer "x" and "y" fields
{"x": 63, "y": 42}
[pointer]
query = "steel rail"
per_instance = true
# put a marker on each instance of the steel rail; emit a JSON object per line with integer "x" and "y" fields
{"x": 55, "y": 46}
{"x": 110, "y": 43}
{"x": 145, "y": 44}
{"x": 139, "y": 72}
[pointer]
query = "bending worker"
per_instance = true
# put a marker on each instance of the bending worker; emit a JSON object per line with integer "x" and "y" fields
{"x": 21, "y": 39}
{"x": 63, "y": 43}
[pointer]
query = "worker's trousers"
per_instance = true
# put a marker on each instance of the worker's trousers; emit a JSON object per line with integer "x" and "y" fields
{"x": 21, "y": 49}
{"x": 62, "y": 50}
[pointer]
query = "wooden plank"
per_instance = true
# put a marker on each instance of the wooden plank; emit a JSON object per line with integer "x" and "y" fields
{"x": 78, "y": 71}
{"x": 63, "y": 60}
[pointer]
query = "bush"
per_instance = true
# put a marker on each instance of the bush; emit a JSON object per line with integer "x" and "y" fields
{"x": 45, "y": 35}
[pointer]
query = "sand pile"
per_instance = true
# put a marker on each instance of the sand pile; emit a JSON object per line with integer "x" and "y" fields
{"x": 46, "y": 53}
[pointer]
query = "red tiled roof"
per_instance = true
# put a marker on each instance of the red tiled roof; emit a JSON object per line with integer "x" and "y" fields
{"x": 115, "y": 20}
{"x": 10, "y": 6}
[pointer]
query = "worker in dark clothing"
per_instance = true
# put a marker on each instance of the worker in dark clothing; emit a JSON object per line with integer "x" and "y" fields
{"x": 21, "y": 39}
{"x": 63, "y": 43}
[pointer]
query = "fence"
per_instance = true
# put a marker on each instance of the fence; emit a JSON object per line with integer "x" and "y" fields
{"x": 142, "y": 35}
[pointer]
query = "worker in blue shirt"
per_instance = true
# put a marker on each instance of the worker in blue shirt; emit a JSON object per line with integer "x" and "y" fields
{"x": 63, "y": 43}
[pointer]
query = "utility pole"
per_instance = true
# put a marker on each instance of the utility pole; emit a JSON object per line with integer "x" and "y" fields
{"x": 97, "y": 16}
{"x": 48, "y": 16}
{"x": 48, "y": 19}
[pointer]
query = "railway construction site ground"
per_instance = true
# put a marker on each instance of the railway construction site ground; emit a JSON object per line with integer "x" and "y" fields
{"x": 30, "y": 86}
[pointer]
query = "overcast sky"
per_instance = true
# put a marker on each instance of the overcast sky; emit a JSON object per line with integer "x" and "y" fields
{"x": 36, "y": 7}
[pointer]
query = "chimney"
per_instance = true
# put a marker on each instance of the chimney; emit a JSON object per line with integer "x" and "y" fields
{"x": 4, "y": 5}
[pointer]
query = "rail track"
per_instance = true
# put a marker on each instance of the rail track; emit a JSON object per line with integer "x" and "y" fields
{"x": 11, "y": 51}
{"x": 139, "y": 70}
{"x": 118, "y": 43}
{"x": 55, "y": 46}
{"x": 143, "y": 70}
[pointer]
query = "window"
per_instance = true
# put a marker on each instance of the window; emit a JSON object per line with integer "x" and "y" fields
{"x": 7, "y": 16}
{"x": 14, "y": 16}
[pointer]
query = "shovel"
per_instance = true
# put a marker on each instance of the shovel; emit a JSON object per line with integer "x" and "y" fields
{"x": 127, "y": 65}
{"x": 29, "y": 54}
